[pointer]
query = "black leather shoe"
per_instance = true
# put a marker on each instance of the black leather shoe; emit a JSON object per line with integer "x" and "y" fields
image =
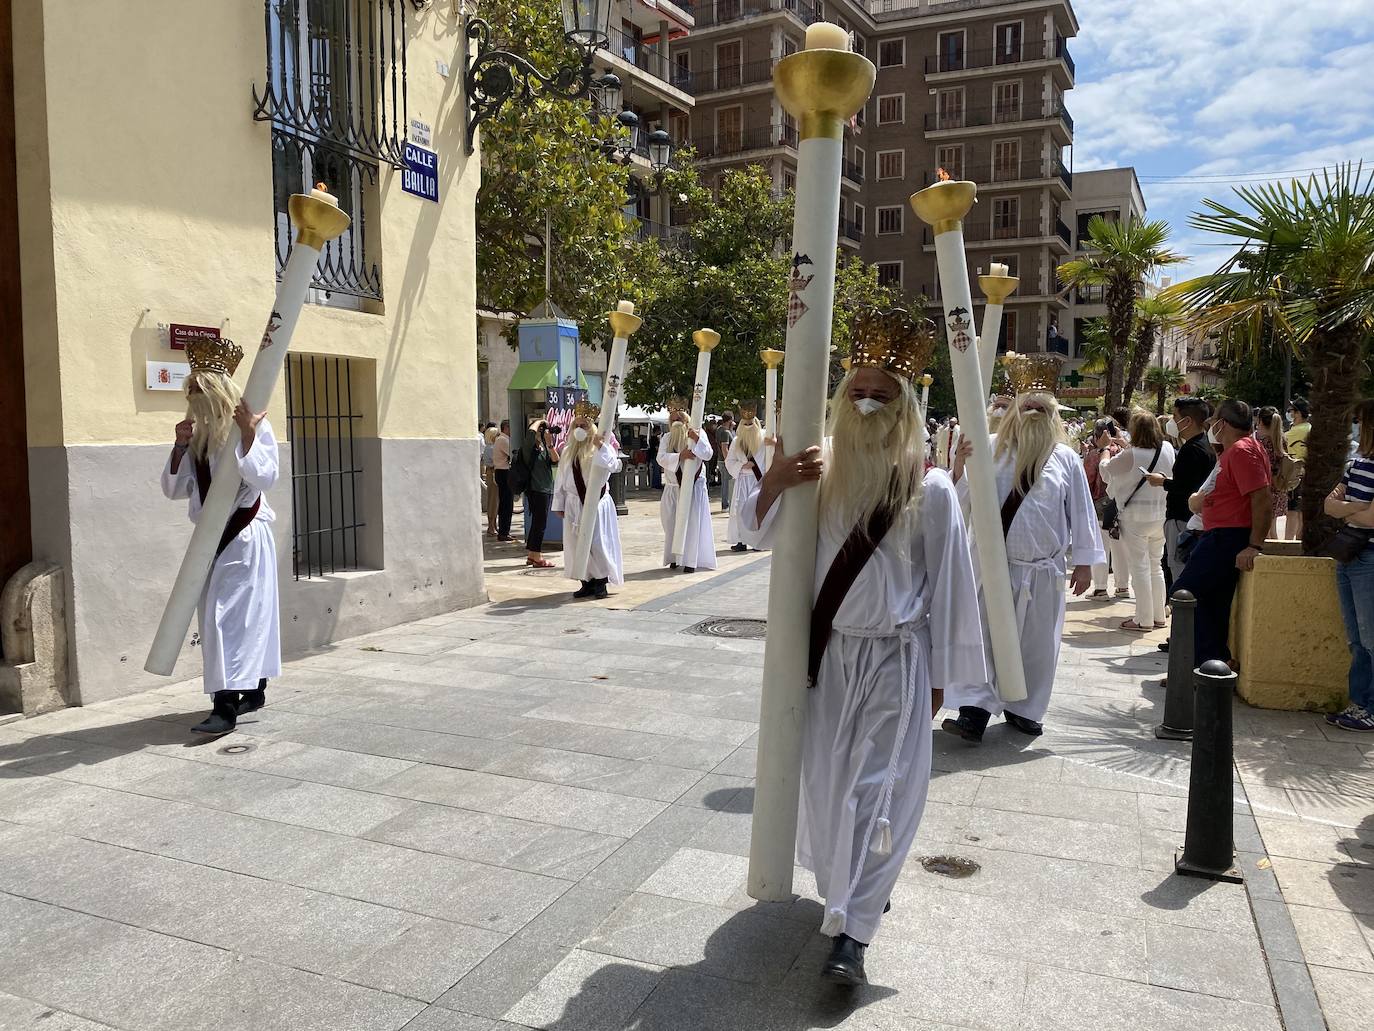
{"x": 739, "y": 547}
{"x": 586, "y": 590}
{"x": 1025, "y": 726}
{"x": 223, "y": 715}
{"x": 599, "y": 588}
{"x": 252, "y": 701}
{"x": 672, "y": 565}
{"x": 689, "y": 569}
{"x": 970, "y": 725}
{"x": 845, "y": 965}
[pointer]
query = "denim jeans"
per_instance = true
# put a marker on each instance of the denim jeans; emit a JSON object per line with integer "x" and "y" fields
{"x": 1211, "y": 577}
{"x": 1355, "y": 583}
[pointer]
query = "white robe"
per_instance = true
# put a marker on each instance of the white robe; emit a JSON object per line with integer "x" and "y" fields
{"x": 605, "y": 558}
{"x": 740, "y": 466}
{"x": 902, "y": 630}
{"x": 699, "y": 551}
{"x": 1055, "y": 520}
{"x": 240, "y": 633}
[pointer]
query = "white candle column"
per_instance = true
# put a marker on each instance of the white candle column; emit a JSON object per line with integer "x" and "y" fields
{"x": 318, "y": 220}
{"x": 996, "y": 287}
{"x": 822, "y": 87}
{"x": 771, "y": 360}
{"x": 926, "y": 381}
{"x": 943, "y": 206}
{"x": 624, "y": 322}
{"x": 706, "y": 340}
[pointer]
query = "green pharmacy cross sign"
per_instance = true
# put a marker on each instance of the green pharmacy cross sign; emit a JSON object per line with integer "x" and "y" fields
{"x": 1074, "y": 379}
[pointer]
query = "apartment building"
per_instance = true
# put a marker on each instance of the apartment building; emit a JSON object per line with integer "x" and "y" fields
{"x": 972, "y": 86}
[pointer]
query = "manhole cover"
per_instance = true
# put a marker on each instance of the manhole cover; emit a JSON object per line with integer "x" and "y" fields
{"x": 737, "y": 629}
{"x": 950, "y": 866}
{"x": 235, "y": 749}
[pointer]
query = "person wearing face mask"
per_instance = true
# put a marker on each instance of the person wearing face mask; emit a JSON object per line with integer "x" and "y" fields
{"x": 892, "y": 626}
{"x": 1103, "y": 445}
{"x": 680, "y": 443}
{"x": 1192, "y": 465}
{"x": 997, "y": 411}
{"x": 1235, "y": 520}
{"x": 1047, "y": 514}
{"x": 587, "y": 451}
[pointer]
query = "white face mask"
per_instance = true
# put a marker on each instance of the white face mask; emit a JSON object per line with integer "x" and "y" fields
{"x": 869, "y": 405}
{"x": 1171, "y": 428}
{"x": 579, "y": 434}
{"x": 1213, "y": 437}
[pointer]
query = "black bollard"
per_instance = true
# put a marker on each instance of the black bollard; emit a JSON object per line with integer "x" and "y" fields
{"x": 617, "y": 488}
{"x": 1209, "y": 843}
{"x": 1178, "y": 686}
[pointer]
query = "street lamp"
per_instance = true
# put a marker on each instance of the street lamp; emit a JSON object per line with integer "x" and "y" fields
{"x": 492, "y": 76}
{"x": 660, "y": 150}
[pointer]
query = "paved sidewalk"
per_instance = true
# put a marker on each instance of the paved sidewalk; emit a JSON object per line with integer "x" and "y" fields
{"x": 535, "y": 814}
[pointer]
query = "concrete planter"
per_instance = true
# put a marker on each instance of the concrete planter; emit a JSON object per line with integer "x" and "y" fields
{"x": 1287, "y": 634}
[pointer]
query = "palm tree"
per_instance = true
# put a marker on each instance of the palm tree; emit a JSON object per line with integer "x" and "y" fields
{"x": 1163, "y": 381}
{"x": 1309, "y": 285}
{"x": 1154, "y": 316}
{"x": 1123, "y": 255}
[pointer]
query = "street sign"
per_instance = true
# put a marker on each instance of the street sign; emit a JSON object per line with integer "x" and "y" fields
{"x": 178, "y": 336}
{"x": 420, "y": 176}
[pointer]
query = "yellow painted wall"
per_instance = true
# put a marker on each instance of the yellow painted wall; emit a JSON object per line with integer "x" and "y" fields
{"x": 137, "y": 116}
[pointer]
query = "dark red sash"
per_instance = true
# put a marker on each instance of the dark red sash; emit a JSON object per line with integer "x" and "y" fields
{"x": 580, "y": 481}
{"x": 844, "y": 570}
{"x": 238, "y": 520}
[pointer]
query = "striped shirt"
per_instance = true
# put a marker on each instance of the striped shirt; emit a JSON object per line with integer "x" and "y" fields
{"x": 1359, "y": 480}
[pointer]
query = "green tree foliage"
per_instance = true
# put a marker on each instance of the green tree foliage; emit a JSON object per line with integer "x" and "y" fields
{"x": 1302, "y": 277}
{"x": 1162, "y": 381}
{"x": 1154, "y": 316}
{"x": 727, "y": 269}
{"x": 544, "y": 159}
{"x": 1121, "y": 258}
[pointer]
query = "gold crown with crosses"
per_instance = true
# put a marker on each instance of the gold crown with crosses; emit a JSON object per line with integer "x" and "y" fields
{"x": 893, "y": 340}
{"x": 1032, "y": 373}
{"x": 748, "y": 410}
{"x": 584, "y": 409}
{"x": 677, "y": 404}
{"x": 214, "y": 356}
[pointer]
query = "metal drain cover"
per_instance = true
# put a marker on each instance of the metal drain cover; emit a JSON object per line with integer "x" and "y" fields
{"x": 235, "y": 749}
{"x": 950, "y": 866}
{"x": 736, "y": 629}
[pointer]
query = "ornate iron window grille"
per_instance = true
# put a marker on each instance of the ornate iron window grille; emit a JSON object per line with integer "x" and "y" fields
{"x": 336, "y": 74}
{"x": 320, "y": 417}
{"x": 347, "y": 264}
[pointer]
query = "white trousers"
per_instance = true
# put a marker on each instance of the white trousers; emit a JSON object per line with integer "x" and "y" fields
{"x": 1120, "y": 564}
{"x": 1144, "y": 545}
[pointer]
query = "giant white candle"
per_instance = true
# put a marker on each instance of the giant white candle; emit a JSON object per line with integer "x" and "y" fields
{"x": 822, "y": 89}
{"x": 771, "y": 360}
{"x": 926, "y": 381}
{"x": 318, "y": 220}
{"x": 624, "y": 322}
{"x": 706, "y": 340}
{"x": 943, "y": 206}
{"x": 997, "y": 286}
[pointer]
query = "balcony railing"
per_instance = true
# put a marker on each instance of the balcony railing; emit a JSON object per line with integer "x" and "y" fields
{"x": 853, "y": 171}
{"x": 720, "y": 12}
{"x": 725, "y": 77}
{"x": 728, "y": 144}
{"x": 1027, "y": 168}
{"x": 652, "y": 60}
{"x": 984, "y": 231}
{"x": 851, "y": 230}
{"x": 1062, "y": 231}
{"x": 935, "y": 121}
{"x": 996, "y": 57}
{"x": 666, "y": 235}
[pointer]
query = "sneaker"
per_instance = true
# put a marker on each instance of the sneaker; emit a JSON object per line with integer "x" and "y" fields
{"x": 1359, "y": 721}
{"x": 1332, "y": 717}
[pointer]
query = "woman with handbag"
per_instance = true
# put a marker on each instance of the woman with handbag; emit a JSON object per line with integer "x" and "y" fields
{"x": 1140, "y": 508}
{"x": 1101, "y": 446}
{"x": 1351, "y": 548}
{"x": 1269, "y": 432}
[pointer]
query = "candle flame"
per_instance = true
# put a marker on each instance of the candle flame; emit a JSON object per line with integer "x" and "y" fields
{"x": 322, "y": 187}
{"x": 944, "y": 176}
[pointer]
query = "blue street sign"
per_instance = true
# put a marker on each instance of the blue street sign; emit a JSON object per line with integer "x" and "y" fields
{"x": 421, "y": 173}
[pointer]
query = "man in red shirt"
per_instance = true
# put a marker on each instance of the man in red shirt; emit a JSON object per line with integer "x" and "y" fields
{"x": 1235, "y": 517}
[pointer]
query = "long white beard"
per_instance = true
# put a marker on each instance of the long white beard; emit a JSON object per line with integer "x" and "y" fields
{"x": 1029, "y": 437}
{"x": 580, "y": 451}
{"x": 750, "y": 438}
{"x": 677, "y": 438}
{"x": 874, "y": 460}
{"x": 213, "y": 420}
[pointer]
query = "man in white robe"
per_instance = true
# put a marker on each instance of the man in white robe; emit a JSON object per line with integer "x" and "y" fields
{"x": 239, "y": 620}
{"x": 1051, "y": 517}
{"x": 680, "y": 443}
{"x": 588, "y": 451}
{"x": 742, "y": 463}
{"x": 899, "y": 637}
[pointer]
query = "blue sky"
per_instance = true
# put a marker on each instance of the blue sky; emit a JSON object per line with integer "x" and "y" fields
{"x": 1216, "y": 90}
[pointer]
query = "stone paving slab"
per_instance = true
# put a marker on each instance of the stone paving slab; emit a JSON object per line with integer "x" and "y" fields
{"x": 482, "y": 822}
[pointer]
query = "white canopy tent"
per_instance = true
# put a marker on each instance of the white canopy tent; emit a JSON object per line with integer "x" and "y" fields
{"x": 631, "y": 414}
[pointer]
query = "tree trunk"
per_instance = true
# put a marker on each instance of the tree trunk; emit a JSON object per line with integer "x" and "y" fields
{"x": 1159, "y": 398}
{"x": 1140, "y": 359}
{"x": 1333, "y": 361}
{"x": 1120, "y": 321}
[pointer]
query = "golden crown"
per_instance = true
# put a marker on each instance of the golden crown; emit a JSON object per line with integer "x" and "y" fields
{"x": 1032, "y": 373}
{"x": 214, "y": 356}
{"x": 892, "y": 339}
{"x": 677, "y": 404}
{"x": 748, "y": 410}
{"x": 584, "y": 409}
